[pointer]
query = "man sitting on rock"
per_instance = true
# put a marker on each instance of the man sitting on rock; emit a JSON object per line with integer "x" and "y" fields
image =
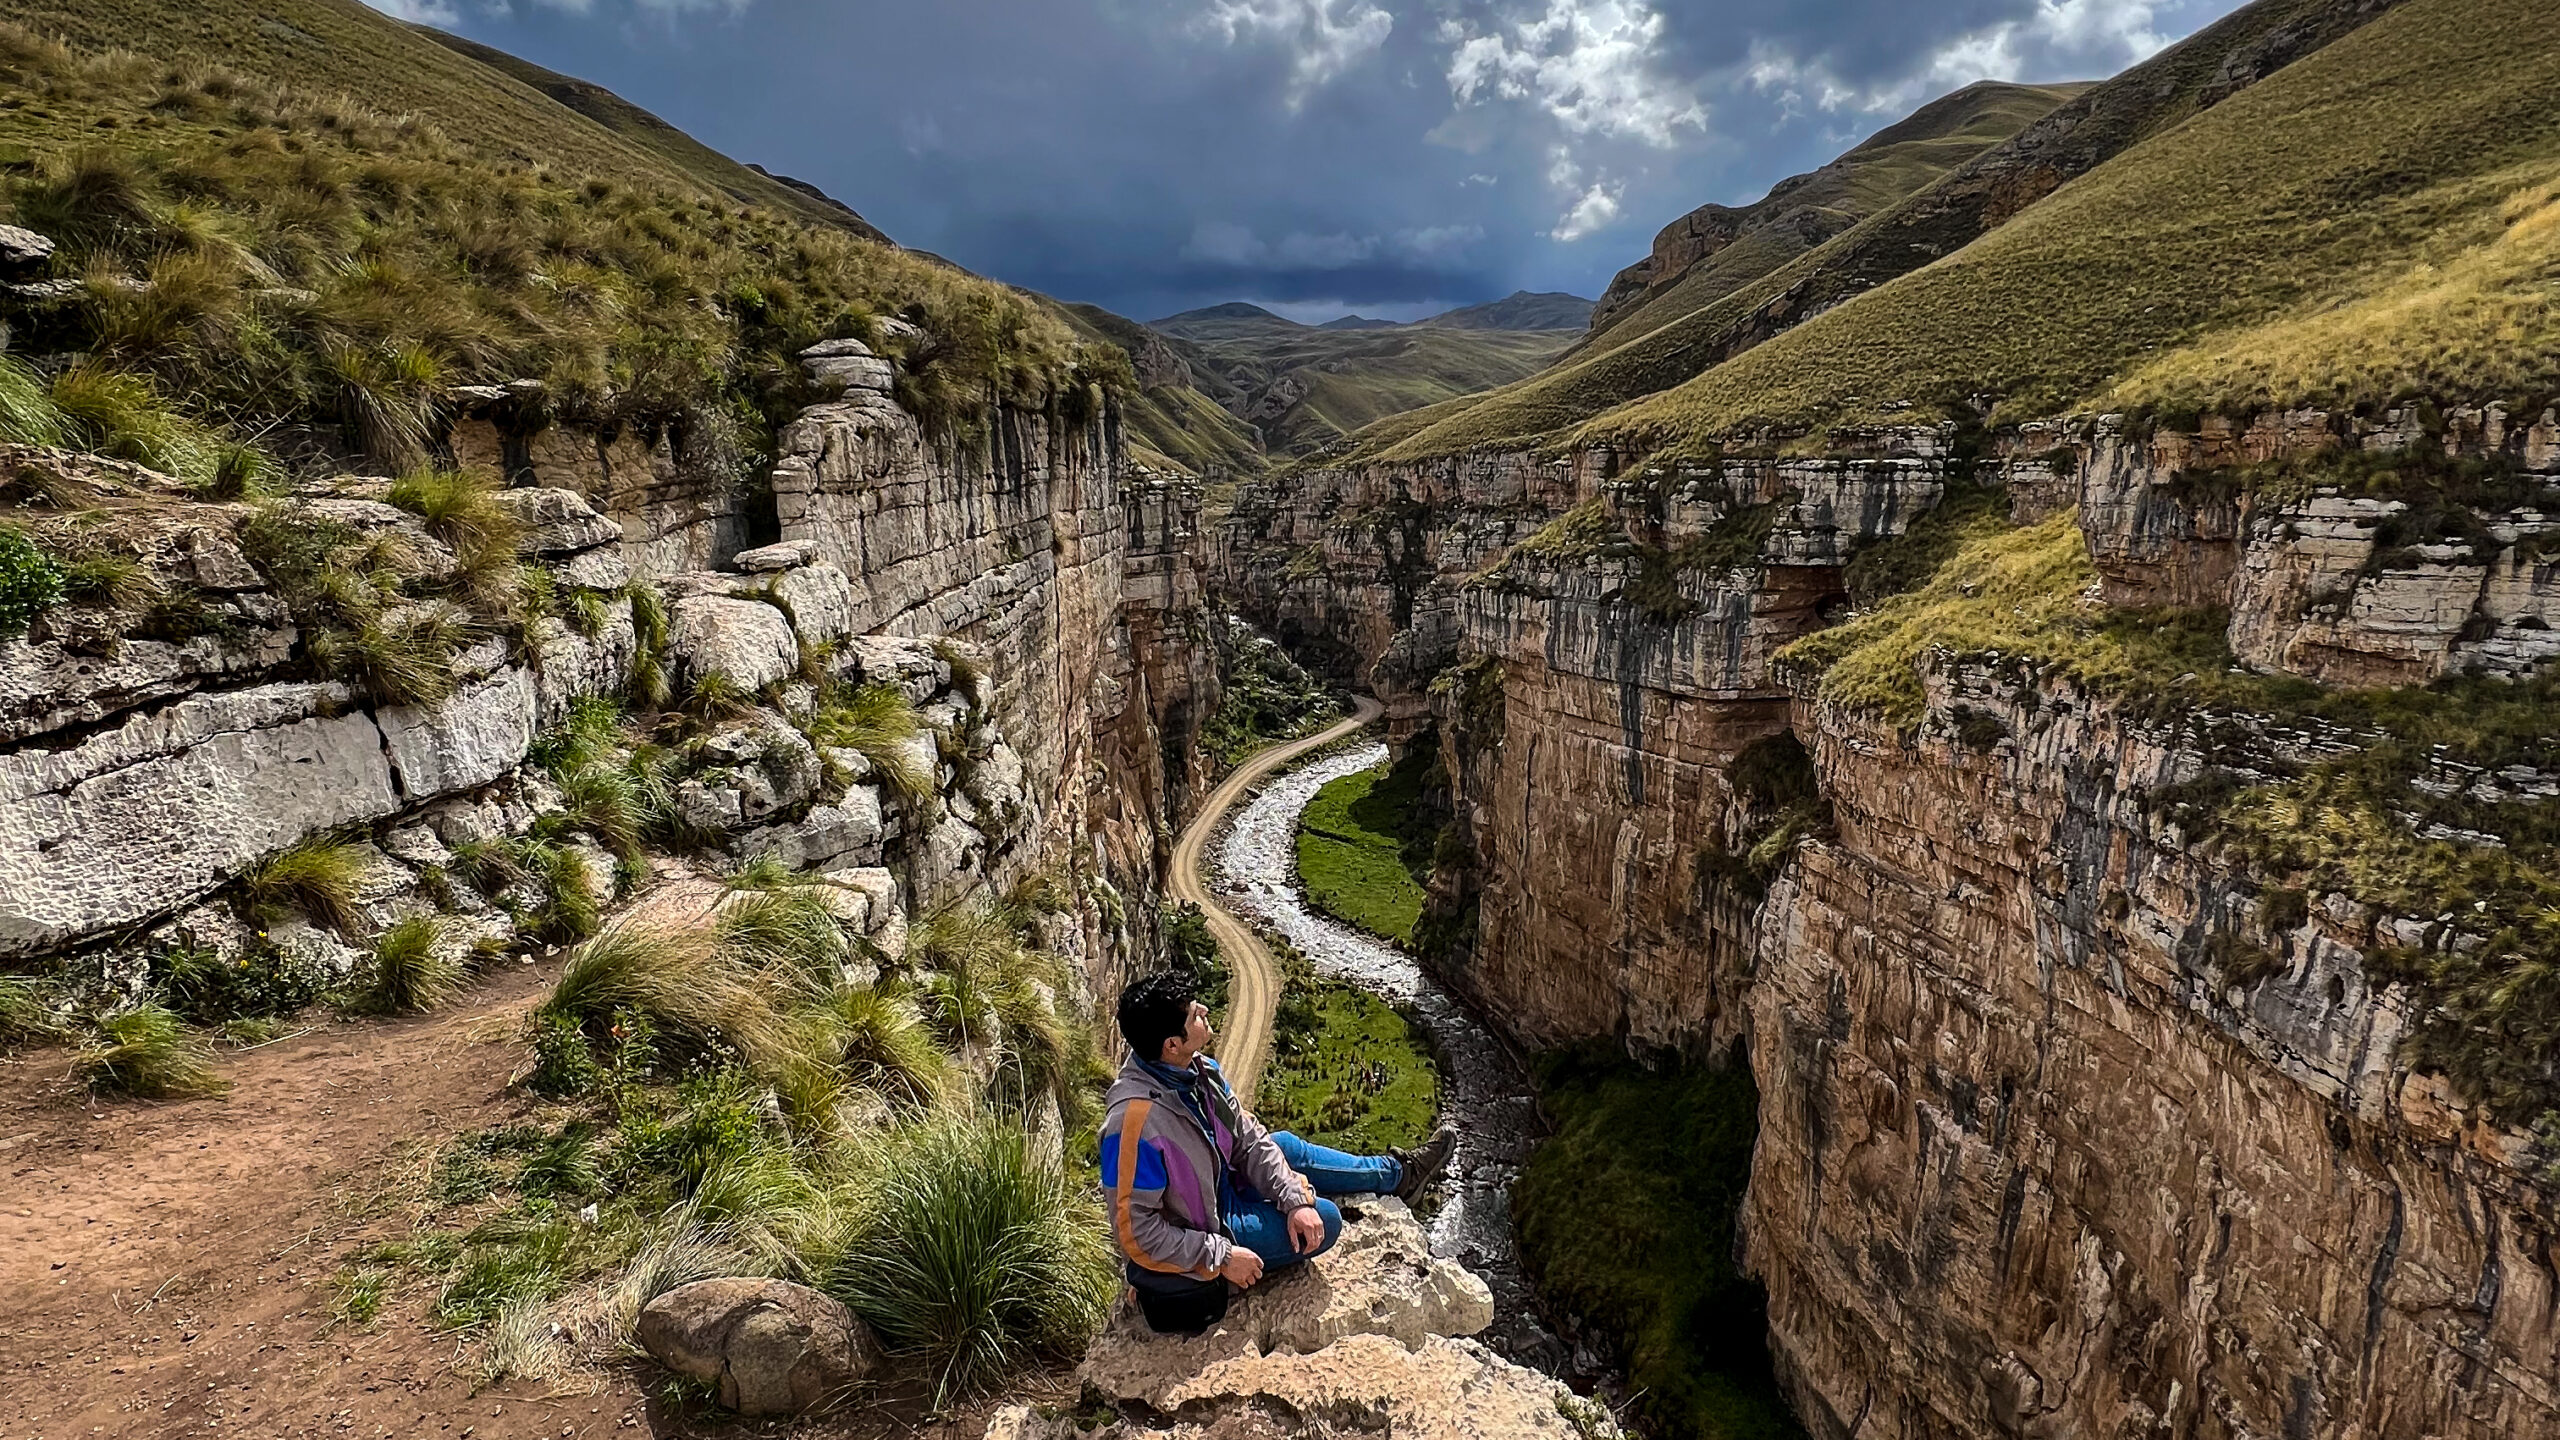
{"x": 1201, "y": 1195}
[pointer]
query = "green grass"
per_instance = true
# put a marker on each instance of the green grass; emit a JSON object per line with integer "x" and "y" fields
{"x": 1626, "y": 1217}
{"x": 148, "y": 1052}
{"x": 269, "y": 251}
{"x": 975, "y": 1256}
{"x": 1803, "y": 210}
{"x": 1346, "y": 1069}
{"x": 411, "y": 970}
{"x": 2328, "y": 184}
{"x": 1364, "y": 851}
{"x": 319, "y": 877}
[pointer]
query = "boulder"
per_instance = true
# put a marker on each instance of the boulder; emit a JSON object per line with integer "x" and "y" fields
{"x": 848, "y": 365}
{"x": 768, "y": 558}
{"x": 910, "y": 665}
{"x": 464, "y": 742}
{"x": 23, "y": 254}
{"x": 821, "y": 601}
{"x": 597, "y": 569}
{"x": 772, "y": 1347}
{"x": 557, "y": 522}
{"x": 746, "y": 640}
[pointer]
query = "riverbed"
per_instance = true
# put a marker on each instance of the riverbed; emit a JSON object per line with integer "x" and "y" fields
{"x": 1485, "y": 1093}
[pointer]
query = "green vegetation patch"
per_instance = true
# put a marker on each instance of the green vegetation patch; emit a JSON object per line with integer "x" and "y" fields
{"x": 1268, "y": 699}
{"x": 1364, "y": 847}
{"x": 1626, "y": 1218}
{"x": 1347, "y": 1070}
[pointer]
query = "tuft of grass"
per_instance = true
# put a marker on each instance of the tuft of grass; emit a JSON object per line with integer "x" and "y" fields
{"x": 877, "y": 720}
{"x": 877, "y": 1040}
{"x": 28, "y": 415}
{"x": 24, "y": 1015}
{"x": 150, "y": 1053}
{"x": 790, "y": 929}
{"x": 318, "y": 877}
{"x": 459, "y": 507}
{"x": 680, "y": 978}
{"x": 122, "y": 415}
{"x": 714, "y": 697}
{"x": 974, "y": 1254}
{"x": 411, "y": 971}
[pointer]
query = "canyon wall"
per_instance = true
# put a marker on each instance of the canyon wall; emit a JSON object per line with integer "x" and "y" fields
{"x": 2036, "y": 1157}
{"x": 1040, "y": 604}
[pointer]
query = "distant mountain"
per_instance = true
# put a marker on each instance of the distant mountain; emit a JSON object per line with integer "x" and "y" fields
{"x": 1221, "y": 321}
{"x": 1523, "y": 310}
{"x": 1357, "y": 322}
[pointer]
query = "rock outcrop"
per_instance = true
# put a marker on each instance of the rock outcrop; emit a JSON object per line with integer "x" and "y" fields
{"x": 1368, "y": 1337}
{"x": 1039, "y": 606}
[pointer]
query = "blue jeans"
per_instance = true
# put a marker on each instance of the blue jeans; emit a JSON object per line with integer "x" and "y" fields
{"x": 1260, "y": 1226}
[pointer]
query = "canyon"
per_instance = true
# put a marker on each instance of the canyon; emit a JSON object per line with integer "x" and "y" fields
{"x": 2035, "y": 1158}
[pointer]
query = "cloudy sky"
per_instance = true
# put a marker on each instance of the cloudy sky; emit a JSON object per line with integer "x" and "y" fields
{"x": 1393, "y": 157}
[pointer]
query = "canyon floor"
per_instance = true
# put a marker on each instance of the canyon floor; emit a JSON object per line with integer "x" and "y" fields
{"x": 1254, "y": 991}
{"x": 171, "y": 1267}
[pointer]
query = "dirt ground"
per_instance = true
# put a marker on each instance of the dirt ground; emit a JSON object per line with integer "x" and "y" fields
{"x": 167, "y": 1267}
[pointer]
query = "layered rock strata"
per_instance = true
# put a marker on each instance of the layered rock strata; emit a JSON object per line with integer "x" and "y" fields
{"x": 2035, "y": 1158}
{"x": 1041, "y": 606}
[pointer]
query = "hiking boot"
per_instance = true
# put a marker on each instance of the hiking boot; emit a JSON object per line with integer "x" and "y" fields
{"x": 1423, "y": 1163}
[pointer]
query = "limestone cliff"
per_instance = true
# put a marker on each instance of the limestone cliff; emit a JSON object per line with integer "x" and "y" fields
{"x": 2072, "y": 1123}
{"x": 1038, "y": 603}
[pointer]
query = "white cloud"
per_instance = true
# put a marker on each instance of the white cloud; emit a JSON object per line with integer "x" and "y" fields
{"x": 1593, "y": 212}
{"x": 1222, "y": 242}
{"x": 1437, "y": 240}
{"x": 2077, "y": 36}
{"x": 1324, "y": 37}
{"x": 1587, "y": 63}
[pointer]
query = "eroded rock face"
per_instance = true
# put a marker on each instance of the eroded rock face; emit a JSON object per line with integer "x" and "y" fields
{"x": 1367, "y": 1337}
{"x": 772, "y": 1347}
{"x": 2026, "y": 1165}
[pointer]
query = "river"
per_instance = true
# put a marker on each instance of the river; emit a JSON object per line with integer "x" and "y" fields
{"x": 1484, "y": 1091}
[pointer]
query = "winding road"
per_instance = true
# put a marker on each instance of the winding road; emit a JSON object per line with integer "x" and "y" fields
{"x": 1253, "y": 989}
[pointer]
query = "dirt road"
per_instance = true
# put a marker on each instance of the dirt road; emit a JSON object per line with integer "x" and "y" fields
{"x": 1254, "y": 990}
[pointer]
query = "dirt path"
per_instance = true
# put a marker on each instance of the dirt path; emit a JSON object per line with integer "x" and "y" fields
{"x": 1253, "y": 992}
{"x": 167, "y": 1268}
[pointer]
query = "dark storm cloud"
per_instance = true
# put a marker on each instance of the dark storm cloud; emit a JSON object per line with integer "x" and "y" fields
{"x": 1153, "y": 155}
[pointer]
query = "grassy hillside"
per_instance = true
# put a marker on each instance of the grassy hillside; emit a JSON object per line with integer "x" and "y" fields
{"x": 2373, "y": 221}
{"x": 261, "y": 263}
{"x": 1172, "y": 423}
{"x": 1948, "y": 221}
{"x": 1802, "y": 211}
{"x": 1306, "y": 387}
{"x": 683, "y": 152}
{"x": 491, "y": 104}
{"x": 1520, "y": 310}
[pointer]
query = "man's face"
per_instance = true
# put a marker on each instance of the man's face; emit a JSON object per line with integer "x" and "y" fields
{"x": 1195, "y": 1037}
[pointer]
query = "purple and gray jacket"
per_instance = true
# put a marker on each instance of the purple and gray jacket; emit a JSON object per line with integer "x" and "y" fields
{"x": 1164, "y": 1171}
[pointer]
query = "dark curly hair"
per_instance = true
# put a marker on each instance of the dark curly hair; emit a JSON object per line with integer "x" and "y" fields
{"x": 1157, "y": 1008}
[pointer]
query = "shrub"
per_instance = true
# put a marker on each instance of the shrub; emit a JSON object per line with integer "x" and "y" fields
{"x": 411, "y": 969}
{"x": 715, "y": 697}
{"x": 148, "y": 1052}
{"x": 318, "y": 877}
{"x": 404, "y": 659}
{"x": 204, "y": 988}
{"x": 974, "y": 1254}
{"x": 30, "y": 581}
